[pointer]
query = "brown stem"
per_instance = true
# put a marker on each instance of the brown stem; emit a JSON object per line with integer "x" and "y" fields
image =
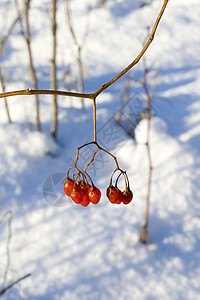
{"x": 104, "y": 86}
{"x": 79, "y": 47}
{"x": 95, "y": 119}
{"x": 9, "y": 215}
{"x": 92, "y": 159}
{"x": 80, "y": 73}
{"x": 32, "y": 69}
{"x": 5, "y": 100}
{"x": 53, "y": 69}
{"x": 3, "y": 291}
{"x": 144, "y": 233}
{"x": 114, "y": 157}
{"x": 78, "y": 149}
{"x": 137, "y": 59}
{"x": 45, "y": 92}
{"x": 3, "y": 40}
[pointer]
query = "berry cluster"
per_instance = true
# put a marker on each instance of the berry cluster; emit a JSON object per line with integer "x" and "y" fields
{"x": 82, "y": 192}
{"x": 115, "y": 195}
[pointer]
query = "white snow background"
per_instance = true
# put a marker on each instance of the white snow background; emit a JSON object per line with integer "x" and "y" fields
{"x": 74, "y": 252}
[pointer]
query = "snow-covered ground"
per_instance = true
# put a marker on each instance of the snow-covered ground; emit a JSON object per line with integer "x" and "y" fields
{"x": 74, "y": 252}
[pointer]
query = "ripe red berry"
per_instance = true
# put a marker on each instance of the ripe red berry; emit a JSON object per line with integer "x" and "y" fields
{"x": 83, "y": 187}
{"x": 120, "y": 197}
{"x": 94, "y": 194}
{"x": 68, "y": 186}
{"x": 86, "y": 200}
{"x": 112, "y": 193}
{"x": 127, "y": 196}
{"x": 77, "y": 196}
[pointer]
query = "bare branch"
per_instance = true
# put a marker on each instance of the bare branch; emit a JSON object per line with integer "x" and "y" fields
{"x": 53, "y": 69}
{"x": 13, "y": 283}
{"x": 5, "y": 37}
{"x": 104, "y": 86}
{"x": 144, "y": 233}
{"x": 79, "y": 46}
{"x": 2, "y": 45}
{"x": 32, "y": 69}
{"x": 140, "y": 55}
{"x": 45, "y": 92}
{"x": 9, "y": 215}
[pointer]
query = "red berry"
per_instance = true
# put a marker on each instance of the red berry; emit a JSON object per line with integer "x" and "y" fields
{"x": 86, "y": 200}
{"x": 127, "y": 196}
{"x": 94, "y": 194}
{"x": 68, "y": 186}
{"x": 120, "y": 197}
{"x": 83, "y": 187}
{"x": 112, "y": 194}
{"x": 77, "y": 196}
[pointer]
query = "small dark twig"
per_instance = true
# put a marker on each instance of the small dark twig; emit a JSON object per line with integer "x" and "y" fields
{"x": 9, "y": 215}
{"x": 79, "y": 47}
{"x": 13, "y": 283}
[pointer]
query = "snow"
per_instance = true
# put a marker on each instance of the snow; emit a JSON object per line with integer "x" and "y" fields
{"x": 74, "y": 252}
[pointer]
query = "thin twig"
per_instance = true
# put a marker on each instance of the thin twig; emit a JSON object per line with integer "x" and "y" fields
{"x": 32, "y": 68}
{"x": 103, "y": 86}
{"x": 92, "y": 159}
{"x": 79, "y": 46}
{"x": 6, "y": 36}
{"x": 9, "y": 215}
{"x": 95, "y": 119}
{"x": 137, "y": 59}
{"x": 3, "y": 41}
{"x": 45, "y": 92}
{"x": 53, "y": 68}
{"x": 144, "y": 233}
{"x": 13, "y": 283}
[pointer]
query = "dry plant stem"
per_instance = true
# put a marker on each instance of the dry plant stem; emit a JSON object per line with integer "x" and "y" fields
{"x": 95, "y": 119}
{"x": 125, "y": 178}
{"x": 80, "y": 74}
{"x": 45, "y": 92}
{"x": 3, "y": 41}
{"x": 79, "y": 47}
{"x": 8, "y": 215}
{"x": 92, "y": 159}
{"x": 32, "y": 69}
{"x": 53, "y": 69}
{"x": 144, "y": 233}
{"x": 3, "y": 291}
{"x": 5, "y": 37}
{"x": 137, "y": 59}
{"x": 125, "y": 94}
{"x": 5, "y": 100}
{"x": 104, "y": 86}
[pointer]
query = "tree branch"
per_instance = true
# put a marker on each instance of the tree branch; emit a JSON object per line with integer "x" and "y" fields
{"x": 45, "y": 92}
{"x": 103, "y": 86}
{"x": 13, "y": 283}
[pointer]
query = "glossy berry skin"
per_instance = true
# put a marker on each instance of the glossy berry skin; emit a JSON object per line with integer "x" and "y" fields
{"x": 120, "y": 197}
{"x": 77, "y": 196}
{"x": 86, "y": 200}
{"x": 68, "y": 186}
{"x": 112, "y": 193}
{"x": 94, "y": 194}
{"x": 83, "y": 187}
{"x": 127, "y": 197}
